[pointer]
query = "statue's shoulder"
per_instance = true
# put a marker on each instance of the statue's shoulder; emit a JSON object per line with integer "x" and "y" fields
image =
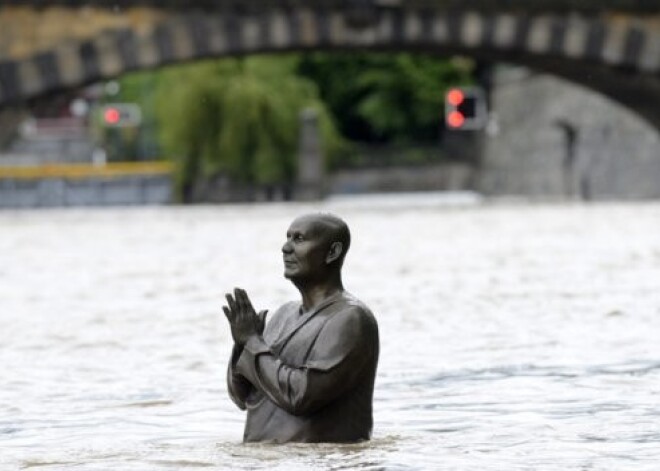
{"x": 354, "y": 307}
{"x": 353, "y": 302}
{"x": 351, "y": 320}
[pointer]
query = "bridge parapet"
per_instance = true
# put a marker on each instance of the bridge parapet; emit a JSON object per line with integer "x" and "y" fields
{"x": 26, "y": 31}
{"x": 614, "y": 51}
{"x": 535, "y": 6}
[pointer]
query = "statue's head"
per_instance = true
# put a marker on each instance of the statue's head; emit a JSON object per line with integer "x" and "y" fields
{"x": 315, "y": 247}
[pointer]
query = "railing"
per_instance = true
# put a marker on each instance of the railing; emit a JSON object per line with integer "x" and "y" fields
{"x": 85, "y": 171}
{"x": 651, "y": 6}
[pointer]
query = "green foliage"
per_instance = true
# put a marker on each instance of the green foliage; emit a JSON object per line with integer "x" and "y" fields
{"x": 135, "y": 143}
{"x": 239, "y": 117}
{"x": 387, "y": 97}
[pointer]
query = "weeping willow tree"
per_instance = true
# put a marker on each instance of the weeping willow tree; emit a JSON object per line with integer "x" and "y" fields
{"x": 237, "y": 117}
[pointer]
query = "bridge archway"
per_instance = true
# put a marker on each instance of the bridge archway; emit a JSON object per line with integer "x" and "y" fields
{"x": 616, "y": 54}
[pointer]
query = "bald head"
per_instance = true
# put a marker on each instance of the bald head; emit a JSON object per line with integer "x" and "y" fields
{"x": 331, "y": 228}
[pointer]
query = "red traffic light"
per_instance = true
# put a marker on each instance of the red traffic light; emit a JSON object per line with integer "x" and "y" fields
{"x": 455, "y": 119}
{"x": 465, "y": 108}
{"x": 111, "y": 116}
{"x": 119, "y": 115}
{"x": 455, "y": 97}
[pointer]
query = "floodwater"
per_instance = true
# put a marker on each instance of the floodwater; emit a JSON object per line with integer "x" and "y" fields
{"x": 513, "y": 336}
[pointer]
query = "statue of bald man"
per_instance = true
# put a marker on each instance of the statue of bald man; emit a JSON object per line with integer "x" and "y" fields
{"x": 308, "y": 374}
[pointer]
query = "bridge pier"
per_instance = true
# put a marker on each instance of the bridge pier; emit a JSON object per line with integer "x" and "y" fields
{"x": 559, "y": 140}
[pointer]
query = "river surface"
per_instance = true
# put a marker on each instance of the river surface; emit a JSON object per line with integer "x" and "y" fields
{"x": 513, "y": 336}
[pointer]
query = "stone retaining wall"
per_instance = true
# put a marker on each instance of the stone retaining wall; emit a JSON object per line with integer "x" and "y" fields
{"x": 55, "y": 192}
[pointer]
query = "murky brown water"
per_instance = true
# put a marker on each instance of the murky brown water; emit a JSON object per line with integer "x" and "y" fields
{"x": 513, "y": 336}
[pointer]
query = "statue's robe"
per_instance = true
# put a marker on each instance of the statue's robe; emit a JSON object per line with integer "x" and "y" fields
{"x": 310, "y": 378}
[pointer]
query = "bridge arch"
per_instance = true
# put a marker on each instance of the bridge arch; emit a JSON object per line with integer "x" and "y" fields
{"x": 616, "y": 54}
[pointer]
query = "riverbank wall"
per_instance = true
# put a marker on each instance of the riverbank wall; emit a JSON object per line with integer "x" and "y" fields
{"x": 146, "y": 183}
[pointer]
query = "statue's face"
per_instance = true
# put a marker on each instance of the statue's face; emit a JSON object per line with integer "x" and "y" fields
{"x": 305, "y": 249}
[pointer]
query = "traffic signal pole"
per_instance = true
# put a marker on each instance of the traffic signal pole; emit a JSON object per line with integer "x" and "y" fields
{"x": 467, "y": 120}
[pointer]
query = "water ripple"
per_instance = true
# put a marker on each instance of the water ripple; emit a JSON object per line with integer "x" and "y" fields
{"x": 113, "y": 346}
{"x": 637, "y": 368}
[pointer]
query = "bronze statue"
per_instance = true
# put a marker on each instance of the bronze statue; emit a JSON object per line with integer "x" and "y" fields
{"x": 308, "y": 374}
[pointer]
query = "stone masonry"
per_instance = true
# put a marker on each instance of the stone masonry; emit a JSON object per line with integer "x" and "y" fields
{"x": 550, "y": 138}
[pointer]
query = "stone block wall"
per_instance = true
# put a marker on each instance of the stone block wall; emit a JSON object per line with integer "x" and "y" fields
{"x": 551, "y": 138}
{"x": 58, "y": 192}
{"x": 442, "y": 177}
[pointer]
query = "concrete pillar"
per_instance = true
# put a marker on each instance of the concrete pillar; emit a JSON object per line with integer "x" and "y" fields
{"x": 310, "y": 183}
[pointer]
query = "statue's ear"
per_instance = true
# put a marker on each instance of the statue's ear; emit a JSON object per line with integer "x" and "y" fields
{"x": 336, "y": 249}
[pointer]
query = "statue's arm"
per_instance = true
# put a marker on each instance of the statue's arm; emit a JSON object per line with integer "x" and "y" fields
{"x": 237, "y": 385}
{"x": 345, "y": 346}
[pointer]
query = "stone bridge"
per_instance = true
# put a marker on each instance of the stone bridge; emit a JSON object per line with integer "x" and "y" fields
{"x": 612, "y": 46}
